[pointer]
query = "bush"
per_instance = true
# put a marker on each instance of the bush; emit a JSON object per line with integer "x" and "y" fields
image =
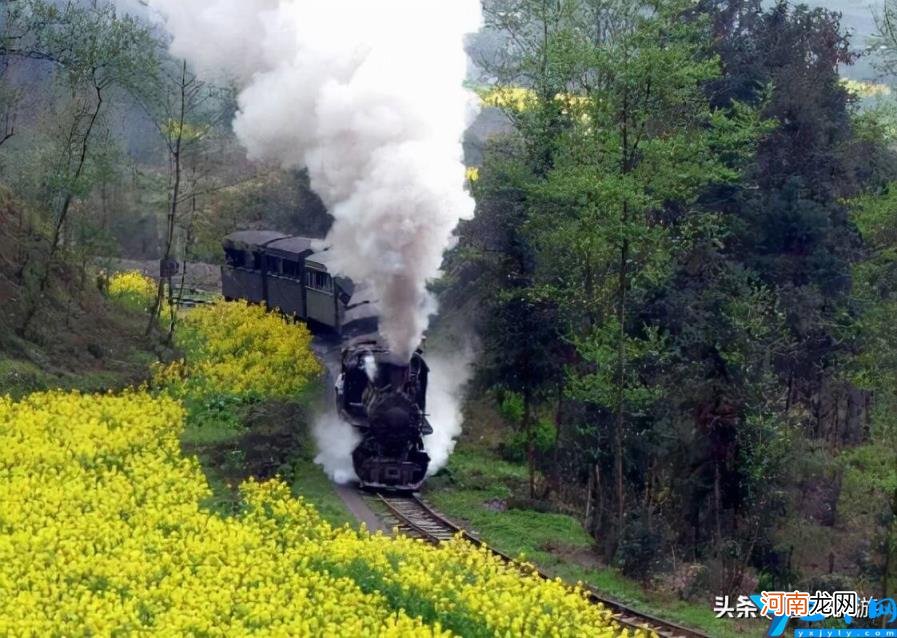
{"x": 514, "y": 448}
{"x": 641, "y": 549}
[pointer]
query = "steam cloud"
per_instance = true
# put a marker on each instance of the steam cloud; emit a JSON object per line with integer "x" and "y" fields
{"x": 369, "y": 97}
{"x": 452, "y": 372}
{"x": 335, "y": 440}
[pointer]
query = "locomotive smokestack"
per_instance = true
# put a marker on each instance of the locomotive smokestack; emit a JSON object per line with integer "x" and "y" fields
{"x": 369, "y": 97}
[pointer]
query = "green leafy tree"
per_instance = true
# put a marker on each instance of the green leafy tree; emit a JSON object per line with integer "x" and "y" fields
{"x": 93, "y": 52}
{"x": 641, "y": 148}
{"x": 869, "y": 493}
{"x": 795, "y": 230}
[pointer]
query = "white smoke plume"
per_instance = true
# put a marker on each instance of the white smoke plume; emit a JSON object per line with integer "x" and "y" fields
{"x": 335, "y": 439}
{"x": 444, "y": 400}
{"x": 370, "y": 367}
{"x": 369, "y": 97}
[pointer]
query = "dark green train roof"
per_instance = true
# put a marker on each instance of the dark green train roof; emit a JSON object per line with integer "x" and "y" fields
{"x": 251, "y": 239}
{"x": 296, "y": 248}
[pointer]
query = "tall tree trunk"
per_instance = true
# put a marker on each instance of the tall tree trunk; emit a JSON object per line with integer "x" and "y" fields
{"x": 620, "y": 420}
{"x": 622, "y": 285}
{"x": 175, "y": 150}
{"x": 62, "y": 215}
{"x": 717, "y": 506}
{"x": 600, "y": 511}
{"x": 188, "y": 242}
{"x": 558, "y": 420}
{"x": 530, "y": 442}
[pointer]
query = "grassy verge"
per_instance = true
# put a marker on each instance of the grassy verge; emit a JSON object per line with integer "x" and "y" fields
{"x": 309, "y": 481}
{"x": 475, "y": 490}
{"x": 116, "y": 357}
{"x": 234, "y": 441}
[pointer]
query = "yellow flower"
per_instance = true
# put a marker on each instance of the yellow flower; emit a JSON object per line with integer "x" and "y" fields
{"x": 242, "y": 350}
{"x": 136, "y": 291}
{"x": 865, "y": 89}
{"x": 103, "y": 532}
{"x": 520, "y": 99}
{"x": 133, "y": 290}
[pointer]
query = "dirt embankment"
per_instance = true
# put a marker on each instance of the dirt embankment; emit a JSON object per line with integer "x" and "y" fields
{"x": 76, "y": 338}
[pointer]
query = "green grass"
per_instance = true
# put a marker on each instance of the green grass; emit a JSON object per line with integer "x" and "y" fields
{"x": 310, "y": 482}
{"x": 218, "y": 432}
{"x": 480, "y": 470}
{"x": 519, "y": 531}
{"x": 477, "y": 489}
{"x": 216, "y": 445}
{"x": 213, "y": 421}
{"x": 88, "y": 347}
{"x": 20, "y": 377}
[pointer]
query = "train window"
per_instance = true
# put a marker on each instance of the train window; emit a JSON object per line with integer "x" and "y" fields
{"x": 291, "y": 269}
{"x": 235, "y": 258}
{"x": 318, "y": 281}
{"x": 256, "y": 261}
{"x": 272, "y": 264}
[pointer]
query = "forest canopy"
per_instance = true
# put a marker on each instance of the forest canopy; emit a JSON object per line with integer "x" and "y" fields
{"x": 682, "y": 253}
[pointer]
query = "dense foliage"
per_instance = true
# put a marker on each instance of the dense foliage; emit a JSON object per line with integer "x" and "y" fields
{"x": 683, "y": 255}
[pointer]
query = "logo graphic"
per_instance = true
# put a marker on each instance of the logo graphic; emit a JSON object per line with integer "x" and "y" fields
{"x": 781, "y": 606}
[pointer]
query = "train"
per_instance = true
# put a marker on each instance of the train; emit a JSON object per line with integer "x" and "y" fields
{"x": 385, "y": 400}
{"x": 382, "y": 397}
{"x": 285, "y": 273}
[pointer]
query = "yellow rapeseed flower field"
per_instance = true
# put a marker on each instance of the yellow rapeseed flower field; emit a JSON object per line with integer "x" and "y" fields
{"x": 521, "y": 99}
{"x": 133, "y": 290}
{"x": 136, "y": 291}
{"x": 240, "y": 349}
{"x": 103, "y": 531}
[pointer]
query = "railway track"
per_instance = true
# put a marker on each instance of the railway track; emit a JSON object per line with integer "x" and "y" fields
{"x": 192, "y": 298}
{"x": 413, "y": 517}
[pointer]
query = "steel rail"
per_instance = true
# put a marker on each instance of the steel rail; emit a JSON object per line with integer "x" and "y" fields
{"x": 419, "y": 520}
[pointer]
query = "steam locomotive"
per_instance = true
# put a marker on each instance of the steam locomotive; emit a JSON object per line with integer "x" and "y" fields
{"x": 382, "y": 397}
{"x": 386, "y": 400}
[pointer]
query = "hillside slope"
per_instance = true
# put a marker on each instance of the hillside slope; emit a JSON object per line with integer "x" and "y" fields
{"x": 76, "y": 339}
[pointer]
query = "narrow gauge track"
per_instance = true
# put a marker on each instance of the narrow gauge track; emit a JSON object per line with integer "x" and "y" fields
{"x": 415, "y": 518}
